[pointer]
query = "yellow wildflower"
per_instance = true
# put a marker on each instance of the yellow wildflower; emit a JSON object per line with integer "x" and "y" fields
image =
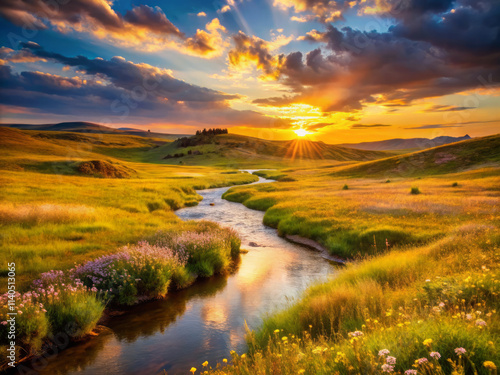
{"x": 243, "y": 356}
{"x": 428, "y": 342}
{"x": 193, "y": 370}
{"x": 205, "y": 364}
{"x": 490, "y": 365}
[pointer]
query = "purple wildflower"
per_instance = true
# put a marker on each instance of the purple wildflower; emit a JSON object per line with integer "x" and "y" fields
{"x": 435, "y": 355}
{"x": 391, "y": 360}
{"x": 387, "y": 368}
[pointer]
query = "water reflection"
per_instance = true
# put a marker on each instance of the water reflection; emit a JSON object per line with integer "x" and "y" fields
{"x": 207, "y": 320}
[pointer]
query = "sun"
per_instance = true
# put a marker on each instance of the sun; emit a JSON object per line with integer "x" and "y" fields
{"x": 301, "y": 132}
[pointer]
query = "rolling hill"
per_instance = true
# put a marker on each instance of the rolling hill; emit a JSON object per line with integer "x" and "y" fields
{"x": 90, "y": 127}
{"x": 237, "y": 149}
{"x": 396, "y": 144}
{"x": 72, "y": 152}
{"x": 455, "y": 157}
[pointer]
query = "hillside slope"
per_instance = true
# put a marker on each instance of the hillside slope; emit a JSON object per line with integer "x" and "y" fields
{"x": 405, "y": 144}
{"x": 231, "y": 148}
{"x": 450, "y": 158}
{"x": 63, "y": 152}
{"x": 90, "y": 127}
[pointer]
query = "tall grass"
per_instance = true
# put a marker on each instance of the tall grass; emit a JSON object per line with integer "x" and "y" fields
{"x": 346, "y": 221}
{"x": 52, "y": 221}
{"x": 431, "y": 309}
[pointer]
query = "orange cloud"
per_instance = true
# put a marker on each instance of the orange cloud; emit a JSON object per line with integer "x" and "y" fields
{"x": 209, "y": 43}
{"x": 144, "y": 27}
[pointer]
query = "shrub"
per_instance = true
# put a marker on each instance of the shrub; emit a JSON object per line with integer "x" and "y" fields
{"x": 137, "y": 271}
{"x": 32, "y": 325}
{"x": 104, "y": 169}
{"x": 345, "y": 187}
{"x": 455, "y": 184}
{"x": 151, "y": 267}
{"x": 287, "y": 179}
{"x": 156, "y": 205}
{"x": 415, "y": 190}
{"x": 73, "y": 309}
{"x": 208, "y": 250}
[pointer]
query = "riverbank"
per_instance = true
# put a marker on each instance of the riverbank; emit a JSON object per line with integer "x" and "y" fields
{"x": 409, "y": 304}
{"x": 72, "y": 303}
{"x": 356, "y": 217}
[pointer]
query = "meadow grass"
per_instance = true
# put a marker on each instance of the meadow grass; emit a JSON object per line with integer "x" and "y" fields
{"x": 422, "y": 294}
{"x": 410, "y": 303}
{"x": 52, "y": 221}
{"x": 72, "y": 204}
{"x": 371, "y": 216}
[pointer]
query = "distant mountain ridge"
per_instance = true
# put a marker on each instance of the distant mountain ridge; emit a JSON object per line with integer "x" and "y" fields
{"x": 405, "y": 144}
{"x": 90, "y": 127}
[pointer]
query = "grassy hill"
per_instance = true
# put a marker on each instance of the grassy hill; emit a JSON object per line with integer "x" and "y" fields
{"x": 398, "y": 144}
{"x": 239, "y": 151}
{"x": 450, "y": 158}
{"x": 90, "y": 127}
{"x": 62, "y": 152}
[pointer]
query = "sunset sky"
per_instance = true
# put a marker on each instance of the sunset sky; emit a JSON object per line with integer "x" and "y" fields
{"x": 344, "y": 71}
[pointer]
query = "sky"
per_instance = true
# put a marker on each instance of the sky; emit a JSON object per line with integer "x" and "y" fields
{"x": 335, "y": 71}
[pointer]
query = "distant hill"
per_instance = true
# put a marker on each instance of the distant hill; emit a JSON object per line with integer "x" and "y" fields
{"x": 227, "y": 148}
{"x": 90, "y": 127}
{"x": 405, "y": 144}
{"x": 455, "y": 157}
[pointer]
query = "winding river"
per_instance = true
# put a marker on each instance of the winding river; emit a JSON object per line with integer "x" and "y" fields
{"x": 206, "y": 320}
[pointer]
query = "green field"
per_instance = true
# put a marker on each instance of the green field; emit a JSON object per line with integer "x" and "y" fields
{"x": 419, "y": 232}
{"x": 424, "y": 278}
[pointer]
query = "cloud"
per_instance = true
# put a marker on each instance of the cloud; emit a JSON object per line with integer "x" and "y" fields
{"x": 225, "y": 8}
{"x": 433, "y": 52}
{"x": 324, "y": 10}
{"x": 251, "y": 50}
{"x": 119, "y": 91}
{"x": 365, "y": 126}
{"x": 319, "y": 125}
{"x": 153, "y": 19}
{"x": 202, "y": 14}
{"x": 456, "y": 125}
{"x": 210, "y": 42}
{"x": 446, "y": 108}
{"x": 143, "y": 27}
{"x": 434, "y": 126}
{"x": 301, "y": 19}
{"x": 21, "y": 56}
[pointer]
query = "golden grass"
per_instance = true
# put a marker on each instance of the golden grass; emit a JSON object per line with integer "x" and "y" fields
{"x": 35, "y": 214}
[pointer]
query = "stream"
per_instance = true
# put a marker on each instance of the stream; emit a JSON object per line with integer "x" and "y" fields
{"x": 207, "y": 320}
